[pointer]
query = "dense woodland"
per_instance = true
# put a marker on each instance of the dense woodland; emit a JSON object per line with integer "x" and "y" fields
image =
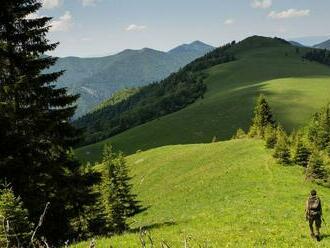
{"x": 318, "y": 55}
{"x": 153, "y": 101}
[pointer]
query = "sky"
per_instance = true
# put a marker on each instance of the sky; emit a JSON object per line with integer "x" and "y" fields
{"x": 87, "y": 28}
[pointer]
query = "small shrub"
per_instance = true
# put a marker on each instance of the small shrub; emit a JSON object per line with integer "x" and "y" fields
{"x": 240, "y": 134}
{"x": 15, "y": 228}
{"x": 270, "y": 137}
{"x": 281, "y": 149}
{"x": 315, "y": 168}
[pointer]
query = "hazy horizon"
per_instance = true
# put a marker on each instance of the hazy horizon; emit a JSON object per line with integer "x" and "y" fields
{"x": 89, "y": 28}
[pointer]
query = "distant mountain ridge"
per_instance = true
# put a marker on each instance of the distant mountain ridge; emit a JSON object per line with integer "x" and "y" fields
{"x": 323, "y": 45}
{"x": 310, "y": 41}
{"x": 97, "y": 79}
{"x": 295, "y": 43}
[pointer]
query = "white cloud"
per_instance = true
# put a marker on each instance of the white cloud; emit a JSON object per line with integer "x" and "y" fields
{"x": 134, "y": 27}
{"x": 290, "y": 13}
{"x": 261, "y": 4}
{"x": 229, "y": 22}
{"x": 50, "y": 4}
{"x": 89, "y": 2}
{"x": 63, "y": 24}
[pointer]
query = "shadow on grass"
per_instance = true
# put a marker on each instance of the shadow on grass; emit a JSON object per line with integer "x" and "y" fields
{"x": 153, "y": 226}
{"x": 324, "y": 236}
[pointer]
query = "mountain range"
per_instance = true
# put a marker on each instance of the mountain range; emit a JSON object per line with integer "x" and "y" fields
{"x": 310, "y": 41}
{"x": 97, "y": 79}
{"x": 323, "y": 45}
{"x": 296, "y": 89}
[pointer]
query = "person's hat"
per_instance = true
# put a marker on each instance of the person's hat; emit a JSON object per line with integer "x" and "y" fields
{"x": 313, "y": 192}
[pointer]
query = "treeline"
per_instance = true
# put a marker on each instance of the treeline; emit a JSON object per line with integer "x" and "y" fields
{"x": 153, "y": 101}
{"x": 319, "y": 55}
{"x": 308, "y": 147}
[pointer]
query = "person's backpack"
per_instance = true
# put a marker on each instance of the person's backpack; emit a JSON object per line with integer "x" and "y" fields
{"x": 314, "y": 205}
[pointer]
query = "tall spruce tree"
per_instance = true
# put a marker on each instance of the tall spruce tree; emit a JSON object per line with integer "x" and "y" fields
{"x": 35, "y": 130}
{"x": 117, "y": 198}
{"x": 263, "y": 117}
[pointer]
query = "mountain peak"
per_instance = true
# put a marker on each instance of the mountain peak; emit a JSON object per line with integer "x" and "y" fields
{"x": 145, "y": 50}
{"x": 261, "y": 41}
{"x": 199, "y": 43}
{"x": 193, "y": 46}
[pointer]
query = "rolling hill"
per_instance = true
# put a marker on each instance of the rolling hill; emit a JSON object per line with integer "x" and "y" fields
{"x": 97, "y": 79}
{"x": 323, "y": 45}
{"x": 296, "y": 88}
{"x": 225, "y": 194}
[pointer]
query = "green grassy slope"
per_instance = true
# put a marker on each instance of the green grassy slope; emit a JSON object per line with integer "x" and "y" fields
{"x": 295, "y": 88}
{"x": 226, "y": 194}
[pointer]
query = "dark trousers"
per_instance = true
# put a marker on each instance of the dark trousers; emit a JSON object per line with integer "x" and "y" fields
{"x": 317, "y": 220}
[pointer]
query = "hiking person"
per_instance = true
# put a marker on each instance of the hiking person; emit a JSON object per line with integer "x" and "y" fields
{"x": 314, "y": 214}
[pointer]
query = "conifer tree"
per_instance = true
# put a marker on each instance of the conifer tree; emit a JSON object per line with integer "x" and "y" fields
{"x": 315, "y": 168}
{"x": 117, "y": 198}
{"x": 270, "y": 136}
{"x": 15, "y": 227}
{"x": 300, "y": 152}
{"x": 240, "y": 134}
{"x": 319, "y": 129}
{"x": 36, "y": 133}
{"x": 262, "y": 118}
{"x": 281, "y": 149}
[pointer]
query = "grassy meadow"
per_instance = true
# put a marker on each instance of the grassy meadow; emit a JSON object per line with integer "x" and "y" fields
{"x": 295, "y": 88}
{"x": 225, "y": 194}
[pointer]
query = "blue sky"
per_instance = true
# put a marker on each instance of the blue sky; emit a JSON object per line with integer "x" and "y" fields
{"x": 102, "y": 27}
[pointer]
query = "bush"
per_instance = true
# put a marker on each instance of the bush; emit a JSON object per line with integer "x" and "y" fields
{"x": 240, "y": 134}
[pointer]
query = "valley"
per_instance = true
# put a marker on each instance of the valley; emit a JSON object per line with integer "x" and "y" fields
{"x": 263, "y": 66}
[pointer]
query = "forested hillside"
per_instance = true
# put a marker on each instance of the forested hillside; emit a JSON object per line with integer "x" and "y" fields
{"x": 295, "y": 87}
{"x": 194, "y": 147}
{"x": 97, "y": 79}
{"x": 153, "y": 101}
